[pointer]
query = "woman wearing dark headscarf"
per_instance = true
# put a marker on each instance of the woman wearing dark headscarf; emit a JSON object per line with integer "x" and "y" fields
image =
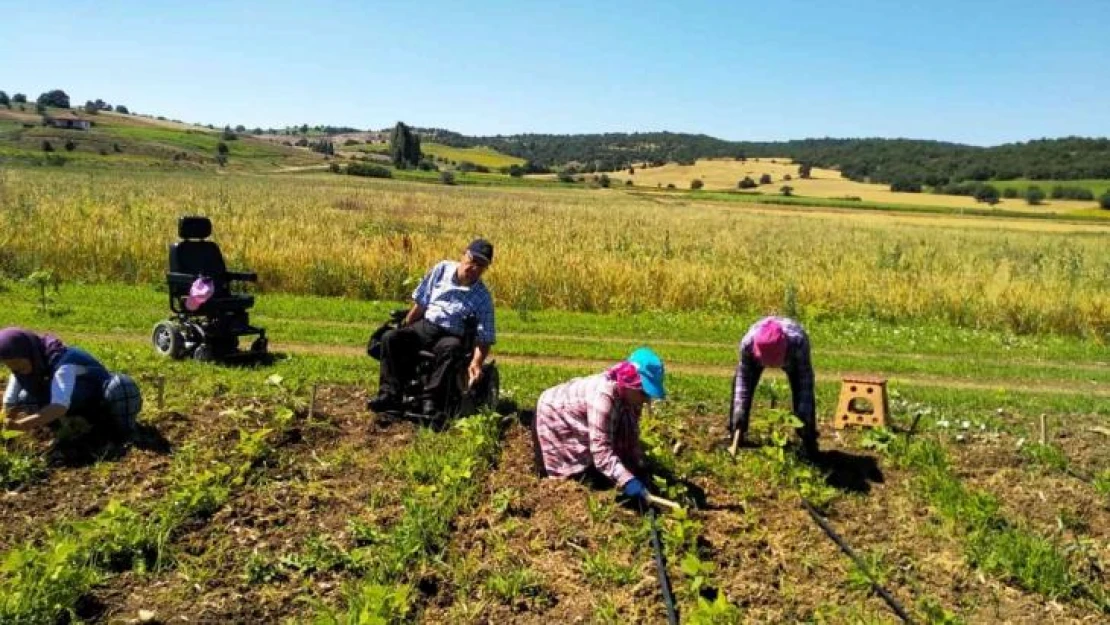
{"x": 50, "y": 380}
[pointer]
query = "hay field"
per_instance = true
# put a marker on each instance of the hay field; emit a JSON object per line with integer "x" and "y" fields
{"x": 562, "y": 249}
{"x": 824, "y": 183}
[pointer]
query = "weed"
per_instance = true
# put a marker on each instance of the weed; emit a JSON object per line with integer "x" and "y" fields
{"x": 518, "y": 586}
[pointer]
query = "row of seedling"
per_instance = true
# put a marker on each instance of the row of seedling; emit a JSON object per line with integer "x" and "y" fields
{"x": 42, "y": 581}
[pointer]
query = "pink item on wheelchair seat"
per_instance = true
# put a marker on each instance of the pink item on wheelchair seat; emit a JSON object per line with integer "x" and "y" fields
{"x": 199, "y": 293}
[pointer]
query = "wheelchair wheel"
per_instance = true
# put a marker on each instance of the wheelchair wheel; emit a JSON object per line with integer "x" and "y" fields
{"x": 168, "y": 340}
{"x": 260, "y": 345}
{"x": 203, "y": 353}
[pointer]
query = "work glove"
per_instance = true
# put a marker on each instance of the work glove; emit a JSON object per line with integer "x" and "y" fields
{"x": 635, "y": 489}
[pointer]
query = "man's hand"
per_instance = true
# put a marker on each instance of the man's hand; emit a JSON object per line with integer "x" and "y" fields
{"x": 474, "y": 373}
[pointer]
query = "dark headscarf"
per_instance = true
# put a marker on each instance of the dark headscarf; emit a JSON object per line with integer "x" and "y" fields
{"x": 41, "y": 351}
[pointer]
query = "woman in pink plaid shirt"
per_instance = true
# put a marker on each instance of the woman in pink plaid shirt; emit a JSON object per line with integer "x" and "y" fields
{"x": 594, "y": 422}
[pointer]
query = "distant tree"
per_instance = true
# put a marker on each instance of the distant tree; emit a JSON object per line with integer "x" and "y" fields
{"x": 334, "y": 168}
{"x": 786, "y": 190}
{"x": 447, "y": 177}
{"x": 228, "y": 134}
{"x": 102, "y": 105}
{"x": 19, "y": 98}
{"x": 905, "y": 185}
{"x": 70, "y": 145}
{"x": 631, "y": 171}
{"x": 304, "y": 129}
{"x": 221, "y": 148}
{"x": 987, "y": 194}
{"x": 301, "y": 143}
{"x": 5, "y": 100}
{"x": 122, "y": 109}
{"x": 804, "y": 170}
{"x": 427, "y": 164}
{"x": 516, "y": 171}
{"x": 565, "y": 176}
{"x": 56, "y": 98}
{"x": 1034, "y": 195}
{"x": 351, "y": 142}
{"x": 765, "y": 179}
{"x": 46, "y": 147}
{"x": 748, "y": 183}
{"x": 1104, "y": 201}
{"x": 604, "y": 180}
{"x": 240, "y": 128}
{"x": 670, "y": 185}
{"x": 404, "y": 146}
{"x": 787, "y": 178}
{"x": 696, "y": 184}
{"x": 91, "y": 108}
{"x": 741, "y": 157}
{"x": 628, "y": 182}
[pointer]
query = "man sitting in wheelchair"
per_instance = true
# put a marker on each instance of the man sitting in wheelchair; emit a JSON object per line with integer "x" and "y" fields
{"x": 448, "y": 294}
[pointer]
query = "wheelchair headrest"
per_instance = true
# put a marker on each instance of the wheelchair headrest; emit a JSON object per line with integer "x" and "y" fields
{"x": 194, "y": 227}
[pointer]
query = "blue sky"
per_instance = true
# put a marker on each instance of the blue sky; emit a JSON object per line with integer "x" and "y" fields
{"x": 981, "y": 72}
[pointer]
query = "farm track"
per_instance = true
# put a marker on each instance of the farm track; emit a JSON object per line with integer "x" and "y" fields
{"x": 310, "y": 491}
{"x": 1035, "y": 387}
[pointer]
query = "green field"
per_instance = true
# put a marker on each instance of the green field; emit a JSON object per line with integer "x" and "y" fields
{"x": 479, "y": 155}
{"x": 1097, "y": 187}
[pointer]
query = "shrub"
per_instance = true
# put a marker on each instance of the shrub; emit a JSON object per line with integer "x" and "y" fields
{"x": 804, "y": 170}
{"x": 628, "y": 183}
{"x": 1060, "y": 192}
{"x": 603, "y": 180}
{"x": 447, "y": 177}
{"x": 670, "y": 185}
{"x": 1034, "y": 195}
{"x": 787, "y": 178}
{"x": 46, "y": 147}
{"x": 221, "y": 148}
{"x": 70, "y": 145}
{"x": 565, "y": 176}
{"x": 334, "y": 168}
{"x": 19, "y": 98}
{"x": 301, "y": 143}
{"x": 696, "y": 184}
{"x": 748, "y": 183}
{"x": 116, "y": 148}
{"x": 787, "y": 190}
{"x": 987, "y": 194}
{"x": 1104, "y": 201}
{"x": 56, "y": 98}
{"x": 905, "y": 185}
{"x": 350, "y": 142}
{"x": 368, "y": 170}
{"x": 427, "y": 165}
{"x": 765, "y": 179}
{"x": 516, "y": 171}
{"x": 5, "y": 100}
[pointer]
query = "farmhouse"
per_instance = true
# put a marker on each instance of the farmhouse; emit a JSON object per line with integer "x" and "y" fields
{"x": 68, "y": 120}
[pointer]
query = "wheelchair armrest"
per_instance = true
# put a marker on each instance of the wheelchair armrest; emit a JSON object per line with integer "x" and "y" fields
{"x": 398, "y": 316}
{"x": 241, "y": 276}
{"x": 180, "y": 279}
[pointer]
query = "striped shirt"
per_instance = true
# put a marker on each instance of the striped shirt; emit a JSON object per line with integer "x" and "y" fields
{"x": 447, "y": 303}
{"x": 798, "y": 368}
{"x": 583, "y": 423}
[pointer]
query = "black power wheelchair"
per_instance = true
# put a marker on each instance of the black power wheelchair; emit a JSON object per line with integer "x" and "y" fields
{"x": 212, "y": 331}
{"x": 457, "y": 401}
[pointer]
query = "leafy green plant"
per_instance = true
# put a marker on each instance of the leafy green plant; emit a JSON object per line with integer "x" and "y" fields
{"x": 877, "y": 439}
{"x": 1047, "y": 456}
{"x": 517, "y": 585}
{"x": 719, "y": 611}
{"x": 600, "y": 567}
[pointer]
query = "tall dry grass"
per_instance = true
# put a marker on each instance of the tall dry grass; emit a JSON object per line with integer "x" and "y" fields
{"x": 575, "y": 250}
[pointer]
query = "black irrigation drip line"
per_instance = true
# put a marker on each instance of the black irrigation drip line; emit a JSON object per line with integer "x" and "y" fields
{"x": 661, "y": 566}
{"x": 882, "y": 592}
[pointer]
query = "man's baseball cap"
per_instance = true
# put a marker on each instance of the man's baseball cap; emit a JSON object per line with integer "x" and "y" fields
{"x": 481, "y": 250}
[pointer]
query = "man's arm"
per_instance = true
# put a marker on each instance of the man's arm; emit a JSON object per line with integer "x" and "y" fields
{"x": 416, "y": 313}
{"x": 481, "y": 352}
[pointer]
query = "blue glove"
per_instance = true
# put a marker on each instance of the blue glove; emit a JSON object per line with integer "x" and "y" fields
{"x": 635, "y": 488}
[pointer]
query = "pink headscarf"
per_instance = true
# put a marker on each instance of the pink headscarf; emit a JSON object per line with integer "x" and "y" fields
{"x": 625, "y": 375}
{"x": 770, "y": 344}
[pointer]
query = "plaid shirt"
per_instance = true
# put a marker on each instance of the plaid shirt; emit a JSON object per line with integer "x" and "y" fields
{"x": 582, "y": 423}
{"x": 447, "y": 303}
{"x": 798, "y": 369}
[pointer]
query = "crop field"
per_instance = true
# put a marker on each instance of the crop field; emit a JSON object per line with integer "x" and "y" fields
{"x": 487, "y": 157}
{"x": 719, "y": 174}
{"x": 267, "y": 492}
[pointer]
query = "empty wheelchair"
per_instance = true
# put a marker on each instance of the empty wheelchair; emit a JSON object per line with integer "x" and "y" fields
{"x": 457, "y": 400}
{"x": 208, "y": 330}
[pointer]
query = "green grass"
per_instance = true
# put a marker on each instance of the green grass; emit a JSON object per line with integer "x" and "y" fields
{"x": 487, "y": 157}
{"x": 1097, "y": 187}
